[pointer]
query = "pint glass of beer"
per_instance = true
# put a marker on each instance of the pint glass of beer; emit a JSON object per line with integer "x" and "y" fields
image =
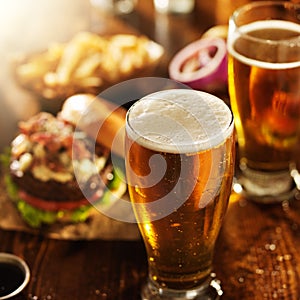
{"x": 264, "y": 87}
{"x": 179, "y": 165}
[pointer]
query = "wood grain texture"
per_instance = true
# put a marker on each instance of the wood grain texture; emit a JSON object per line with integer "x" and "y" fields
{"x": 78, "y": 270}
{"x": 257, "y": 256}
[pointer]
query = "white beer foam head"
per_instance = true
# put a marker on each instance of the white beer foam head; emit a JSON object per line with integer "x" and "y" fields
{"x": 263, "y": 44}
{"x": 179, "y": 120}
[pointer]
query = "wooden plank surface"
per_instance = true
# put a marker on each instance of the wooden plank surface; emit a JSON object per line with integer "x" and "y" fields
{"x": 257, "y": 256}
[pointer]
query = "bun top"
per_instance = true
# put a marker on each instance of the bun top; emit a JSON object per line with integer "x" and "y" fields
{"x": 100, "y": 119}
{"x": 75, "y": 107}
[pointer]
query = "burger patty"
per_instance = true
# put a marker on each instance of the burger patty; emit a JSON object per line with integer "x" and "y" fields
{"x": 65, "y": 192}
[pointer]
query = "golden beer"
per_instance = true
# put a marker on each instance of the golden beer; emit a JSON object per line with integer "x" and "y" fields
{"x": 264, "y": 86}
{"x": 179, "y": 181}
{"x": 266, "y": 101}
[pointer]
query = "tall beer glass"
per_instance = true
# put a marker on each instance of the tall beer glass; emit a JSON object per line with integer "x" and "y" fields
{"x": 179, "y": 167}
{"x": 264, "y": 86}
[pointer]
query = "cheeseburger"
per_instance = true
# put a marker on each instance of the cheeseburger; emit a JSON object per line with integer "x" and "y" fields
{"x": 56, "y": 173}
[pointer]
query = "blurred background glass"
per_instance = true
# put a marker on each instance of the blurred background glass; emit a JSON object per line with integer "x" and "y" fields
{"x": 174, "y": 6}
{"x": 115, "y": 6}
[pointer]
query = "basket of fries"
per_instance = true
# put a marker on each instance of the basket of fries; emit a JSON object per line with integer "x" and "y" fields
{"x": 88, "y": 63}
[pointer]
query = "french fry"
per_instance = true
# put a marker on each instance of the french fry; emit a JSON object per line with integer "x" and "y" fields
{"x": 88, "y": 65}
{"x": 90, "y": 82}
{"x": 87, "y": 60}
{"x": 70, "y": 58}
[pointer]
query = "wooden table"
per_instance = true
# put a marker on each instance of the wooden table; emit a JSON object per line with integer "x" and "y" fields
{"x": 257, "y": 254}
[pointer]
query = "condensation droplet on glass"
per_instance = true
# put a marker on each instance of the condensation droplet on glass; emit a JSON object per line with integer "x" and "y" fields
{"x": 259, "y": 271}
{"x": 287, "y": 257}
{"x": 295, "y": 226}
{"x": 243, "y": 202}
{"x": 284, "y": 257}
{"x": 270, "y": 247}
{"x": 277, "y": 267}
{"x": 285, "y": 206}
{"x": 241, "y": 279}
{"x": 274, "y": 273}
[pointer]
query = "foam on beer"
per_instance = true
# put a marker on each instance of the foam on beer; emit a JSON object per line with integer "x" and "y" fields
{"x": 259, "y": 25}
{"x": 179, "y": 121}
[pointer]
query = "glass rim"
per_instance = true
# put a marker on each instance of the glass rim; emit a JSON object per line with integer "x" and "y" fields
{"x": 203, "y": 145}
{"x": 256, "y": 4}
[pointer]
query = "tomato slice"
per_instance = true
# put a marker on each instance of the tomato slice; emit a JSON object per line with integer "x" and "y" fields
{"x": 52, "y": 205}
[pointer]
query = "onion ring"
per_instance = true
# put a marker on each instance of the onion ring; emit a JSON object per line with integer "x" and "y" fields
{"x": 202, "y": 65}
